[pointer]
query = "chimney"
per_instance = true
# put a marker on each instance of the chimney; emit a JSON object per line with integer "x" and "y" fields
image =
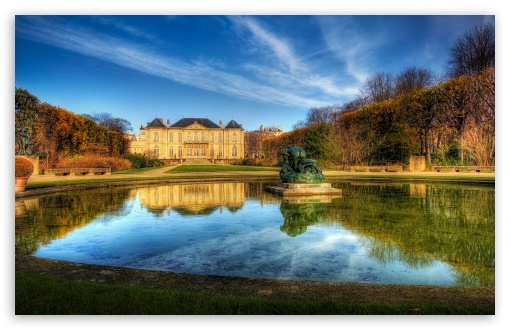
{"x": 221, "y": 123}
{"x": 168, "y": 121}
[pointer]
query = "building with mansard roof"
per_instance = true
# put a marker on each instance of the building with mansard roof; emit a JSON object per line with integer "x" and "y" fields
{"x": 193, "y": 140}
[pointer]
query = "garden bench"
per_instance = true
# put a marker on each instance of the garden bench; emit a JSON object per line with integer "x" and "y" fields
{"x": 77, "y": 171}
{"x": 394, "y": 168}
{"x": 463, "y": 168}
{"x": 391, "y": 168}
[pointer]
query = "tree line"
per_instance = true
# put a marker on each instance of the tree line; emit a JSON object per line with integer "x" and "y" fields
{"x": 55, "y": 133}
{"x": 450, "y": 120}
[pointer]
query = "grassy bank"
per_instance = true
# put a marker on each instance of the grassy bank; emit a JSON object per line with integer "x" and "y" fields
{"x": 219, "y": 168}
{"x": 41, "y": 294}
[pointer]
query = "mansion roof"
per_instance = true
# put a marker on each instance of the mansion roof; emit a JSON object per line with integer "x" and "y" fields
{"x": 185, "y": 122}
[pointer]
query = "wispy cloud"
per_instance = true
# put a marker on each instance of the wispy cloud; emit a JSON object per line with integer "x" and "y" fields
{"x": 293, "y": 86}
{"x": 288, "y": 68}
{"x": 349, "y": 45}
{"x": 281, "y": 49}
{"x": 118, "y": 24}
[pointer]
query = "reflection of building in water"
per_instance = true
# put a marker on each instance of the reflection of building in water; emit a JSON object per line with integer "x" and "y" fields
{"x": 196, "y": 198}
{"x": 418, "y": 190}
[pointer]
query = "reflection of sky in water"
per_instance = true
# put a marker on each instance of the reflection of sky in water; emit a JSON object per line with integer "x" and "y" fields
{"x": 247, "y": 243}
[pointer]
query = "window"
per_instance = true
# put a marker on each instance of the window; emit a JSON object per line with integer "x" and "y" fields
{"x": 203, "y": 137}
{"x": 171, "y": 152}
{"x": 156, "y": 137}
{"x": 211, "y": 137}
{"x": 195, "y": 137}
{"x": 156, "y": 152}
{"x": 234, "y": 152}
{"x": 211, "y": 152}
{"x": 180, "y": 137}
{"x": 234, "y": 138}
{"x": 220, "y": 152}
{"x": 188, "y": 152}
{"x": 188, "y": 138}
{"x": 180, "y": 152}
{"x": 202, "y": 151}
{"x": 195, "y": 152}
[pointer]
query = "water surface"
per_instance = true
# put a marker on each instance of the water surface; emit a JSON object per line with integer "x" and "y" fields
{"x": 384, "y": 233}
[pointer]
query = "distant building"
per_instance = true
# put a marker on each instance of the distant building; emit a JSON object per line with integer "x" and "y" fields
{"x": 190, "y": 139}
{"x": 274, "y": 130}
{"x": 253, "y": 140}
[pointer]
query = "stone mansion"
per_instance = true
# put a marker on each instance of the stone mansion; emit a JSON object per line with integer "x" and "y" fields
{"x": 193, "y": 139}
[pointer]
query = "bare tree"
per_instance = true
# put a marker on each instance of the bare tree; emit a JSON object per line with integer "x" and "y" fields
{"x": 473, "y": 52}
{"x": 321, "y": 114}
{"x": 412, "y": 78}
{"x": 378, "y": 88}
{"x": 113, "y": 124}
{"x": 351, "y": 106}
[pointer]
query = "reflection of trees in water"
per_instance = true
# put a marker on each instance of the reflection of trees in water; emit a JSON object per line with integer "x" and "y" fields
{"x": 449, "y": 223}
{"x": 62, "y": 213}
{"x": 452, "y": 223}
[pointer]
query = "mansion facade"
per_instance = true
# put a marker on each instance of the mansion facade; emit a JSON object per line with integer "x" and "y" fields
{"x": 190, "y": 138}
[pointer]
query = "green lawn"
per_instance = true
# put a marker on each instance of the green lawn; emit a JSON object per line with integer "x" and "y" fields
{"x": 138, "y": 170}
{"x": 220, "y": 168}
{"x": 45, "y": 295}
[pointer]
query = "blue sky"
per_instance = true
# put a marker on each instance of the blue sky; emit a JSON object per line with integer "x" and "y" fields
{"x": 255, "y": 69}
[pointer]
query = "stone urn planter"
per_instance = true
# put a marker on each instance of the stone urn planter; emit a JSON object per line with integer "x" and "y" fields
{"x": 23, "y": 169}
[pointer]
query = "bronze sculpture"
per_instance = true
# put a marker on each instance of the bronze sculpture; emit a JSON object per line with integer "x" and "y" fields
{"x": 297, "y": 168}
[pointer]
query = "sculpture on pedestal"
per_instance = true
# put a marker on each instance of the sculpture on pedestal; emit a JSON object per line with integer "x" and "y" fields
{"x": 297, "y": 168}
{"x": 24, "y": 139}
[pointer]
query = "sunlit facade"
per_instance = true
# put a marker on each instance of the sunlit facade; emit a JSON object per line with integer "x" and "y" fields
{"x": 190, "y": 138}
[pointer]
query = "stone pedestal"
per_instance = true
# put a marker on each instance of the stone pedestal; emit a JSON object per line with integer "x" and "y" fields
{"x": 303, "y": 189}
{"x": 417, "y": 163}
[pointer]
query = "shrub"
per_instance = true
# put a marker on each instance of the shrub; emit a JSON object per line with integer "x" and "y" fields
{"x": 142, "y": 161}
{"x": 137, "y": 160}
{"x": 22, "y": 167}
{"x": 87, "y": 161}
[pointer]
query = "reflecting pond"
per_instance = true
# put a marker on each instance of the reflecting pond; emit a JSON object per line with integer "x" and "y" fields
{"x": 383, "y": 233}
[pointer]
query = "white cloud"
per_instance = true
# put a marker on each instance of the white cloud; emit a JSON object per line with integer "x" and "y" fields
{"x": 290, "y": 82}
{"x": 281, "y": 49}
{"x": 349, "y": 45}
